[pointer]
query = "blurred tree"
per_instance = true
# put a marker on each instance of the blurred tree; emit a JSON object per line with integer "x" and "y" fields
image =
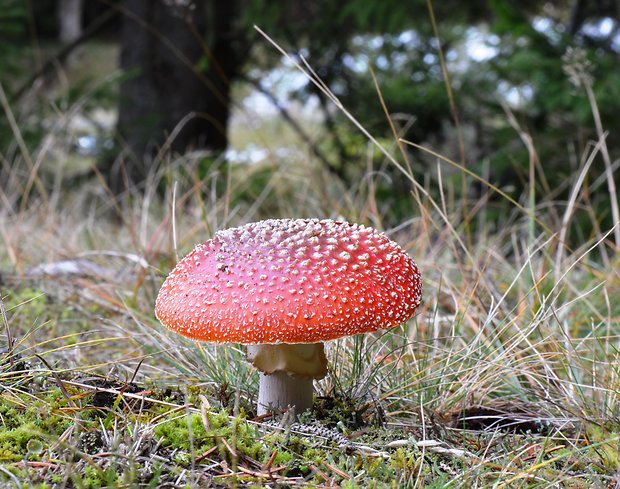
{"x": 180, "y": 59}
{"x": 69, "y": 20}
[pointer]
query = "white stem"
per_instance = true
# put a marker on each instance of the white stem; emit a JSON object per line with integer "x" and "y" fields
{"x": 280, "y": 390}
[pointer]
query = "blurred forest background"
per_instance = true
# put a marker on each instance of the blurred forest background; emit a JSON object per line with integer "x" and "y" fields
{"x": 515, "y": 93}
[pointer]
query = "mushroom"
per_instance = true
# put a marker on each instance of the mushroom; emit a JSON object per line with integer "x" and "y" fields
{"x": 283, "y": 286}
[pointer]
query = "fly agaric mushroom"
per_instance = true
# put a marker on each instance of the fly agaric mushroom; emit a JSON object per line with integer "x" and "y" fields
{"x": 283, "y": 286}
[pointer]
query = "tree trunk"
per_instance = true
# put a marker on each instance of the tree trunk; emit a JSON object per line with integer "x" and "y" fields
{"x": 69, "y": 20}
{"x": 179, "y": 63}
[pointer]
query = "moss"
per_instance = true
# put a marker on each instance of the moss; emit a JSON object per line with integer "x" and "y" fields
{"x": 604, "y": 446}
{"x": 282, "y": 458}
{"x": 14, "y": 442}
{"x": 236, "y": 432}
{"x": 31, "y": 296}
{"x": 44, "y": 410}
{"x": 94, "y": 478}
{"x": 8, "y": 454}
{"x": 57, "y": 478}
{"x": 30, "y": 424}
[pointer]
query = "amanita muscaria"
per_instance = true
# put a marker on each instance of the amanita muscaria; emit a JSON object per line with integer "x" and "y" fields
{"x": 283, "y": 286}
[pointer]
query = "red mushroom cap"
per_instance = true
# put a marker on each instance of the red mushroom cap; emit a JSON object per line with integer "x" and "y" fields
{"x": 290, "y": 281}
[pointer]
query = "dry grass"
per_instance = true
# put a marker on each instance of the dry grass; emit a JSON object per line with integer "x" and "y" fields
{"x": 507, "y": 377}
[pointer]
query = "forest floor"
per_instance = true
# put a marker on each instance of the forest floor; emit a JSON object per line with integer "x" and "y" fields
{"x": 507, "y": 376}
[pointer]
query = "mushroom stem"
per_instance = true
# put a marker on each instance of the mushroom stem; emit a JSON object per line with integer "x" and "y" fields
{"x": 286, "y": 374}
{"x": 280, "y": 390}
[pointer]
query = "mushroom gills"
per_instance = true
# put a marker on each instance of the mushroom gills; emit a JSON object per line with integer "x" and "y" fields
{"x": 302, "y": 360}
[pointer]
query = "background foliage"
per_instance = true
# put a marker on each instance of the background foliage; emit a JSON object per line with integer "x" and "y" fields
{"x": 448, "y": 74}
